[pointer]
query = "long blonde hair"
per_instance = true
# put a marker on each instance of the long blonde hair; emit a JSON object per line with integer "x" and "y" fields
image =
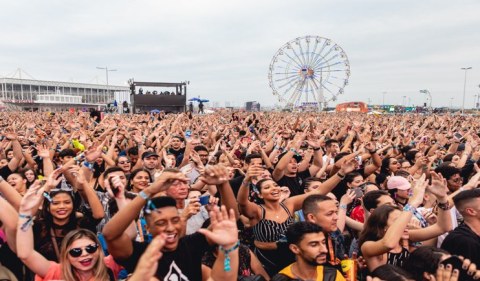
{"x": 100, "y": 270}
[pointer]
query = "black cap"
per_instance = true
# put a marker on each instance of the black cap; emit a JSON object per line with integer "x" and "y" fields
{"x": 149, "y": 154}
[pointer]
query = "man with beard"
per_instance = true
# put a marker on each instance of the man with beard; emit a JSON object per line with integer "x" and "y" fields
{"x": 308, "y": 243}
{"x": 177, "y": 149}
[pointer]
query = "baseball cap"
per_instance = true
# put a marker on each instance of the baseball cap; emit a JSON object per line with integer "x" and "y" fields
{"x": 398, "y": 182}
{"x": 147, "y": 154}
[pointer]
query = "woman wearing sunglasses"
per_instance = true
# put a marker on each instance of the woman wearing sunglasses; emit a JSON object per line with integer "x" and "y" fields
{"x": 124, "y": 163}
{"x": 80, "y": 256}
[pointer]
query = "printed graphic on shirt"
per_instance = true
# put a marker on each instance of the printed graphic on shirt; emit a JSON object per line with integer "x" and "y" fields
{"x": 175, "y": 274}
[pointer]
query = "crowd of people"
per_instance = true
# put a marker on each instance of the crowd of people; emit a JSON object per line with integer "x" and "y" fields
{"x": 239, "y": 196}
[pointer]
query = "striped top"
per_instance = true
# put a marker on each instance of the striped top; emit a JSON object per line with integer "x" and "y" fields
{"x": 397, "y": 259}
{"x": 269, "y": 230}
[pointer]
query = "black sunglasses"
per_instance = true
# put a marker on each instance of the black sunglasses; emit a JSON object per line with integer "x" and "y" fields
{"x": 76, "y": 252}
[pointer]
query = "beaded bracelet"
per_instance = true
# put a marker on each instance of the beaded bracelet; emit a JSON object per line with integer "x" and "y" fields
{"x": 226, "y": 252}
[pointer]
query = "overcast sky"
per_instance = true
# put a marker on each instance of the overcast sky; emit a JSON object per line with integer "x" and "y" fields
{"x": 224, "y": 47}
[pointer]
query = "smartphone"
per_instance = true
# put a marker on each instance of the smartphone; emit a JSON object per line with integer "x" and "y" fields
{"x": 457, "y": 263}
{"x": 458, "y": 136}
{"x": 188, "y": 134}
{"x": 358, "y": 192}
{"x": 204, "y": 200}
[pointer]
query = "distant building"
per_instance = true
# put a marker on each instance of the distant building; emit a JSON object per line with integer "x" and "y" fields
{"x": 27, "y": 94}
{"x": 356, "y": 106}
{"x": 252, "y": 106}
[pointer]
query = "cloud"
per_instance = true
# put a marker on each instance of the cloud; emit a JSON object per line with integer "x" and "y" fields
{"x": 224, "y": 47}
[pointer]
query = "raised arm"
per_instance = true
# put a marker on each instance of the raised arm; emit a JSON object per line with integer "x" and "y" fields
{"x": 342, "y": 208}
{"x": 283, "y": 163}
{"x": 394, "y": 233}
{"x": 25, "y": 250}
{"x": 247, "y": 208}
{"x": 9, "y": 218}
{"x": 17, "y": 150}
{"x": 444, "y": 221}
{"x": 10, "y": 194}
{"x": 119, "y": 244}
{"x": 294, "y": 203}
{"x": 89, "y": 194}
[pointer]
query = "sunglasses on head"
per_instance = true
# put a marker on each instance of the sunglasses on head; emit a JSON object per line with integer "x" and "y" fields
{"x": 76, "y": 252}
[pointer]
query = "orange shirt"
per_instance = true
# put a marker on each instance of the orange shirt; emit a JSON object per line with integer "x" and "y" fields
{"x": 55, "y": 270}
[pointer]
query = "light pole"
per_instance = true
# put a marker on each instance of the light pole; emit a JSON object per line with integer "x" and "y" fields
{"x": 384, "y": 99}
{"x": 429, "y": 97}
{"x": 106, "y": 73}
{"x": 464, "y": 86}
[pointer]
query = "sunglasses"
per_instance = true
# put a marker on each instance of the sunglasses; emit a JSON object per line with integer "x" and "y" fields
{"x": 123, "y": 162}
{"x": 76, "y": 252}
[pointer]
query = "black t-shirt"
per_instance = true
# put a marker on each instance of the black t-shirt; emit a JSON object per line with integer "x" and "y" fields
{"x": 295, "y": 184}
{"x": 178, "y": 155}
{"x": 182, "y": 264}
{"x": 236, "y": 183}
{"x": 43, "y": 239}
{"x": 5, "y": 172}
{"x": 464, "y": 242}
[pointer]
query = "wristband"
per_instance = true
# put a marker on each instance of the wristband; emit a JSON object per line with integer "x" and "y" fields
{"x": 88, "y": 165}
{"x": 343, "y": 206}
{"x": 294, "y": 151}
{"x": 22, "y": 216}
{"x": 444, "y": 206}
{"x": 144, "y": 195}
{"x": 372, "y": 151}
{"x": 226, "y": 252}
{"x": 316, "y": 149}
{"x": 27, "y": 223}
{"x": 340, "y": 175}
{"x": 409, "y": 208}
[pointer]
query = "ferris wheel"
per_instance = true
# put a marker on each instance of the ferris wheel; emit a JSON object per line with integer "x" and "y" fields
{"x": 309, "y": 70}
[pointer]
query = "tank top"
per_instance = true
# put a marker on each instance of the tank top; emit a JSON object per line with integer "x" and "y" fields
{"x": 269, "y": 230}
{"x": 397, "y": 259}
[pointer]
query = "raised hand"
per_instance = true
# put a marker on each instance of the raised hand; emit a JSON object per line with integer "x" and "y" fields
{"x": 31, "y": 200}
{"x": 348, "y": 197}
{"x": 94, "y": 152}
{"x": 418, "y": 192}
{"x": 165, "y": 180}
{"x": 43, "y": 151}
{"x": 10, "y": 134}
{"x": 253, "y": 172}
{"x": 215, "y": 175}
{"x": 348, "y": 166}
{"x": 439, "y": 186}
{"x": 447, "y": 273}
{"x": 223, "y": 228}
{"x": 148, "y": 263}
{"x": 192, "y": 208}
{"x": 53, "y": 179}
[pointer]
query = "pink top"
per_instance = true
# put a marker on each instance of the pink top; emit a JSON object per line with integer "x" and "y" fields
{"x": 55, "y": 270}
